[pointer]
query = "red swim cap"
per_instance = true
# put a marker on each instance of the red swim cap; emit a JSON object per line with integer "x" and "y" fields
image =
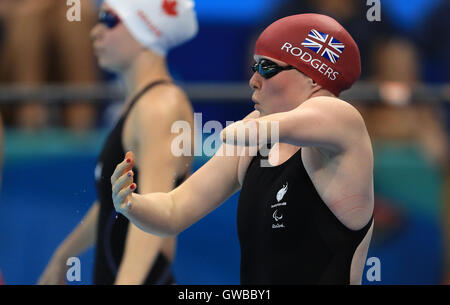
{"x": 315, "y": 44}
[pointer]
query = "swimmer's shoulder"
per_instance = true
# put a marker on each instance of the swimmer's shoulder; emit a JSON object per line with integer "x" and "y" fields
{"x": 333, "y": 105}
{"x": 165, "y": 101}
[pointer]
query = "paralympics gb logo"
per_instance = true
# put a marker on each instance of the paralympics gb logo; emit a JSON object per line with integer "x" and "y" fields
{"x": 276, "y": 216}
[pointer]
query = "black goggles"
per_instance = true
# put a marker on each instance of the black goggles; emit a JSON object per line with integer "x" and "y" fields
{"x": 108, "y": 19}
{"x": 267, "y": 68}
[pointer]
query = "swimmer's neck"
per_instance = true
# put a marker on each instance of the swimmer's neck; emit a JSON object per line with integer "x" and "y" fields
{"x": 145, "y": 69}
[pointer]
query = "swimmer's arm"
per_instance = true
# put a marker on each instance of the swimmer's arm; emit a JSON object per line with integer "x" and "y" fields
{"x": 82, "y": 237}
{"x": 321, "y": 121}
{"x": 168, "y": 214}
{"x": 152, "y": 122}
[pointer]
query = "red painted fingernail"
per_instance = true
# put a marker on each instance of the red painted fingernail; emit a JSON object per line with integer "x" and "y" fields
{"x": 128, "y": 160}
{"x": 132, "y": 186}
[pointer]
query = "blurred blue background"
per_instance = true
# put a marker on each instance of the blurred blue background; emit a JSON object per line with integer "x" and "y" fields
{"x": 48, "y": 180}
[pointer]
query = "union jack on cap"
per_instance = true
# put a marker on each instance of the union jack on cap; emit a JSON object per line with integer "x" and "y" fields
{"x": 323, "y": 44}
{"x": 316, "y": 45}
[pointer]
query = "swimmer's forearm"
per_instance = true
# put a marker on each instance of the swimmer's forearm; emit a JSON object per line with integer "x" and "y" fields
{"x": 253, "y": 131}
{"x": 167, "y": 214}
{"x": 82, "y": 237}
{"x": 320, "y": 121}
{"x": 259, "y": 131}
{"x": 152, "y": 213}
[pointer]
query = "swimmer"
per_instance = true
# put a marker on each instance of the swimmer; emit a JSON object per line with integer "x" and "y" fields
{"x": 308, "y": 217}
{"x": 128, "y": 43}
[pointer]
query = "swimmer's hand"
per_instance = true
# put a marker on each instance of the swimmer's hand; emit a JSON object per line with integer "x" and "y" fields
{"x": 122, "y": 183}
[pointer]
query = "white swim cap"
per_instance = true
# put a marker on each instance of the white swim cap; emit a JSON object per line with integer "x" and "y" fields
{"x": 158, "y": 24}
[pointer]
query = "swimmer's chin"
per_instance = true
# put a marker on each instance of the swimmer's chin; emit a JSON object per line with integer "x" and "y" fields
{"x": 107, "y": 66}
{"x": 260, "y": 111}
{"x": 258, "y": 108}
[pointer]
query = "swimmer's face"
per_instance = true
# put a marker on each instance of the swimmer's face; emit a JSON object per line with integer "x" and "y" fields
{"x": 115, "y": 47}
{"x": 282, "y": 92}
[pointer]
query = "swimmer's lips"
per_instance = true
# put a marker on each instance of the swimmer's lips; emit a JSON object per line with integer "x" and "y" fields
{"x": 255, "y": 102}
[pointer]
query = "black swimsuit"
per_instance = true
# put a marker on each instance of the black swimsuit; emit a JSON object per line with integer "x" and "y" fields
{"x": 287, "y": 233}
{"x": 112, "y": 227}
